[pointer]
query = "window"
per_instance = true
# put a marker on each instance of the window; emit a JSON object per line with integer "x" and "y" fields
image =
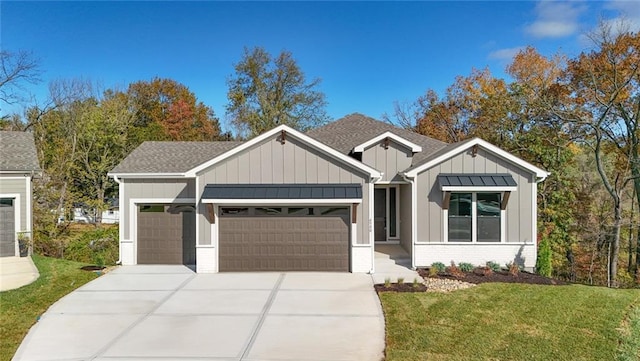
{"x": 235, "y": 211}
{"x": 260, "y": 211}
{"x": 152, "y": 208}
{"x": 474, "y": 217}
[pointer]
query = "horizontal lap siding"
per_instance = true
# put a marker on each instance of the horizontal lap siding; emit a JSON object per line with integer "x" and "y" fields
{"x": 519, "y": 210}
{"x": 274, "y": 163}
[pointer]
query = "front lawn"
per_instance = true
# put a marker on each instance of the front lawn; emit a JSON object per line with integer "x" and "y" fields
{"x": 20, "y": 308}
{"x": 497, "y": 321}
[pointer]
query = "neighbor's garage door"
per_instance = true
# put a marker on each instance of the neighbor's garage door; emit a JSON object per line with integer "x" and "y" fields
{"x": 284, "y": 239}
{"x": 166, "y": 234}
{"x": 7, "y": 227}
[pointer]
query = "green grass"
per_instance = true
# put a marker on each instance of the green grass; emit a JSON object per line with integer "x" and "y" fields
{"x": 497, "y": 321}
{"x": 20, "y": 308}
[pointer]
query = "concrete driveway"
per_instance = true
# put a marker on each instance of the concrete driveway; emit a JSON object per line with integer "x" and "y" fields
{"x": 170, "y": 313}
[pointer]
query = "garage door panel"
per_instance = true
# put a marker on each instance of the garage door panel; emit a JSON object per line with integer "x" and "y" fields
{"x": 166, "y": 237}
{"x": 7, "y": 227}
{"x": 284, "y": 244}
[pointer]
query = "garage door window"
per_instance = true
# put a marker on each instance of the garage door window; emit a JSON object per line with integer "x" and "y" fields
{"x": 152, "y": 209}
{"x": 284, "y": 211}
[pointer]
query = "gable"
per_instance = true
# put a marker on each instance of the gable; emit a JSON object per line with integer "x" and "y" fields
{"x": 284, "y": 135}
{"x": 469, "y": 150}
{"x": 272, "y": 162}
{"x": 388, "y": 157}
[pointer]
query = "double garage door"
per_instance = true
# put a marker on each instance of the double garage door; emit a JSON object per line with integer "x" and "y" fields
{"x": 250, "y": 238}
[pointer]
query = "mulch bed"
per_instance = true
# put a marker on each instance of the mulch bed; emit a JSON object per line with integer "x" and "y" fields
{"x": 500, "y": 276}
{"x": 92, "y": 268}
{"x": 401, "y": 287}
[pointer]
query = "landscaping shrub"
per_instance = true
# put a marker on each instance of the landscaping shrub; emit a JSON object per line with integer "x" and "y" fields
{"x": 543, "y": 263}
{"x": 455, "y": 271}
{"x": 98, "y": 246}
{"x": 494, "y": 266}
{"x": 439, "y": 266}
{"x": 465, "y": 267}
{"x": 513, "y": 268}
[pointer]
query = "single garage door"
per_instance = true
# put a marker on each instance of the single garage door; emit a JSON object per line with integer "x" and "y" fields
{"x": 166, "y": 234}
{"x": 284, "y": 239}
{"x": 7, "y": 227}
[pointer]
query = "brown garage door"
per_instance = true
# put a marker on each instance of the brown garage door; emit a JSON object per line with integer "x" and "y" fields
{"x": 166, "y": 234}
{"x": 284, "y": 239}
{"x": 7, "y": 227}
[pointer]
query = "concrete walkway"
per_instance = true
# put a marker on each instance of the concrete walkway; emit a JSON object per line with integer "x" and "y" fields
{"x": 393, "y": 262}
{"x": 16, "y": 272}
{"x": 171, "y": 313}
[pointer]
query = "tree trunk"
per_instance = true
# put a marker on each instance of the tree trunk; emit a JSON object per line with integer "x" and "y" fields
{"x": 615, "y": 244}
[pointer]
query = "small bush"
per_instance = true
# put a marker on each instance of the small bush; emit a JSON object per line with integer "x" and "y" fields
{"x": 482, "y": 271}
{"x": 513, "y": 268}
{"x": 543, "y": 262}
{"x": 387, "y": 282}
{"x": 416, "y": 284}
{"x": 439, "y": 266}
{"x": 465, "y": 267}
{"x": 455, "y": 271}
{"x": 494, "y": 266}
{"x": 400, "y": 280}
{"x": 98, "y": 246}
{"x": 433, "y": 271}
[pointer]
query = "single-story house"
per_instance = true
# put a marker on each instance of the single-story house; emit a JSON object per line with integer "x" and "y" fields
{"x": 322, "y": 200}
{"x": 18, "y": 165}
{"x": 111, "y": 215}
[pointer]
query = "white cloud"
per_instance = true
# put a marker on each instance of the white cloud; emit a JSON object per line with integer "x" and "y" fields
{"x": 627, "y": 11}
{"x": 505, "y": 54}
{"x": 555, "y": 19}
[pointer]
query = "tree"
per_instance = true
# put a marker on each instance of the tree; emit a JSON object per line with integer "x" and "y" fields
{"x": 16, "y": 70}
{"x": 167, "y": 110}
{"x": 600, "y": 101}
{"x": 266, "y": 92}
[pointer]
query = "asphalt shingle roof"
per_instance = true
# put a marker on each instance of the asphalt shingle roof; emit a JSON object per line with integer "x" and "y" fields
{"x": 346, "y": 133}
{"x": 18, "y": 152}
{"x": 171, "y": 157}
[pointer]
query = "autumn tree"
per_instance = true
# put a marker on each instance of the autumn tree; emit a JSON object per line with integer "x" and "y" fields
{"x": 602, "y": 105}
{"x": 167, "y": 110}
{"x": 265, "y": 92}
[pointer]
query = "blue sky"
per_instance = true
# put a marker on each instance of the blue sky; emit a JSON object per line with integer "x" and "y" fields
{"x": 368, "y": 54}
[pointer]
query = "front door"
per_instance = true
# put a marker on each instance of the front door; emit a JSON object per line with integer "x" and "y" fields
{"x": 385, "y": 215}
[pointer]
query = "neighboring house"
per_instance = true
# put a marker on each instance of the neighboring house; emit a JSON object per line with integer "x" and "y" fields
{"x": 323, "y": 200}
{"x": 18, "y": 165}
{"x": 111, "y": 215}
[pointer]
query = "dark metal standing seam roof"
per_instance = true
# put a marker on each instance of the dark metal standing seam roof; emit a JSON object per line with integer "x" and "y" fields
{"x": 476, "y": 180}
{"x": 282, "y": 191}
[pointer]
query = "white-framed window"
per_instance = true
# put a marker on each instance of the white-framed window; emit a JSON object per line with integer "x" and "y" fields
{"x": 474, "y": 217}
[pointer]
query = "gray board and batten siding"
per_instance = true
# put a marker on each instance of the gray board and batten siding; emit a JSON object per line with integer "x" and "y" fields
{"x": 519, "y": 212}
{"x": 389, "y": 159}
{"x": 17, "y": 186}
{"x": 271, "y": 162}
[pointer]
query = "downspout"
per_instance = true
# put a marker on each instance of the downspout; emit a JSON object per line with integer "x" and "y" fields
{"x": 120, "y": 225}
{"x": 413, "y": 216}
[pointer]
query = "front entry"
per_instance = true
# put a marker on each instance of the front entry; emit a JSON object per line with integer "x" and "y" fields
{"x": 385, "y": 214}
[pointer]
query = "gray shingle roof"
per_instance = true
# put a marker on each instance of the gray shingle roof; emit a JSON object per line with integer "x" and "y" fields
{"x": 171, "y": 157}
{"x": 282, "y": 191}
{"x": 346, "y": 133}
{"x": 18, "y": 152}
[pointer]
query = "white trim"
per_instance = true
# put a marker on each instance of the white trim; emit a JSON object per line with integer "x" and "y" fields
{"x": 290, "y": 132}
{"x": 534, "y": 218}
{"x": 371, "y": 242}
{"x": 398, "y": 139}
{"x": 479, "y": 189}
{"x": 133, "y": 219}
{"x": 414, "y": 220}
{"x": 390, "y": 182}
{"x": 540, "y": 173}
{"x": 148, "y": 175}
{"x": 198, "y": 195}
{"x": 282, "y": 201}
{"x": 16, "y": 219}
{"x": 14, "y": 177}
{"x": 474, "y": 224}
{"x": 421, "y": 243}
{"x": 29, "y": 210}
